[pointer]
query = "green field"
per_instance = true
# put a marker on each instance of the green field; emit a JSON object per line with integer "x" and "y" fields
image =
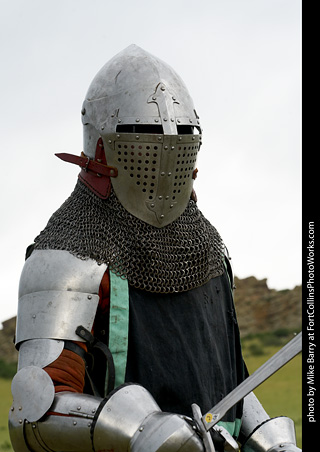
{"x": 280, "y": 395}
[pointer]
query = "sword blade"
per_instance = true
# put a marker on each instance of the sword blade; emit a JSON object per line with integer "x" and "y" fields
{"x": 278, "y": 360}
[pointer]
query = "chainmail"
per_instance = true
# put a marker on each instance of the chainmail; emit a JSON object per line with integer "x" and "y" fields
{"x": 180, "y": 256}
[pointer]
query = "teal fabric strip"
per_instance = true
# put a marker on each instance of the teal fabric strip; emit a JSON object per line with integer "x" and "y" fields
{"x": 232, "y": 427}
{"x": 119, "y": 325}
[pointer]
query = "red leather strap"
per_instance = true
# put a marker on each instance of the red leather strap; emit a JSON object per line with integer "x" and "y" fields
{"x": 89, "y": 165}
{"x": 95, "y": 174}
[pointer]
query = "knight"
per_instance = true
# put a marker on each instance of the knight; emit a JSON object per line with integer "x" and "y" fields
{"x": 126, "y": 315}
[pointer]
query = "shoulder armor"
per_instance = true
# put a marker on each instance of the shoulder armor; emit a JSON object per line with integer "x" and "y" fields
{"x": 57, "y": 293}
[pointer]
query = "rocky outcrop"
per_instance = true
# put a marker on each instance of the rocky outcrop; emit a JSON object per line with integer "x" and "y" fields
{"x": 261, "y": 309}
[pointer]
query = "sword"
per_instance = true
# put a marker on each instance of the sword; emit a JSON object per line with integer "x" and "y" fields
{"x": 282, "y": 357}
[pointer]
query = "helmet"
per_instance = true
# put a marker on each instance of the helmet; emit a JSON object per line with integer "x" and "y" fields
{"x": 141, "y": 110}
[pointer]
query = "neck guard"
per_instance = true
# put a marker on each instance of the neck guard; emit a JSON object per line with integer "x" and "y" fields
{"x": 180, "y": 256}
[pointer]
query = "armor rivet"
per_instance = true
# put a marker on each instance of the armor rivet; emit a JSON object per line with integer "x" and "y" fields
{"x": 154, "y": 98}
{"x": 172, "y": 148}
{"x": 137, "y": 120}
{"x": 190, "y": 120}
{"x": 33, "y": 425}
{"x": 141, "y": 429}
{"x": 169, "y": 174}
{"x": 173, "y": 98}
{"x": 171, "y": 206}
{"x": 109, "y": 141}
{"x": 20, "y": 408}
{"x": 119, "y": 120}
{"x": 160, "y": 197}
{"x": 193, "y": 138}
{"x": 166, "y": 147}
{"x": 94, "y": 410}
{"x": 12, "y": 408}
{"x": 178, "y": 120}
{"x": 89, "y": 424}
{"x": 78, "y": 408}
{"x": 74, "y": 422}
{"x": 180, "y": 138}
{"x": 172, "y": 119}
{"x": 152, "y": 205}
{"x": 20, "y": 421}
{"x": 118, "y": 136}
{"x": 161, "y": 216}
{"x": 102, "y": 128}
{"x": 89, "y": 297}
{"x": 163, "y": 173}
{"x": 165, "y": 119}
{"x": 112, "y": 116}
{"x": 156, "y": 120}
{"x": 137, "y": 137}
{"x": 34, "y": 316}
{"x": 167, "y": 197}
{"x": 163, "y": 88}
{"x": 159, "y": 138}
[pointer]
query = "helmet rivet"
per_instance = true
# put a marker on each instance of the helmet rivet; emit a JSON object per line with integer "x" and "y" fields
{"x": 160, "y": 197}
{"x": 159, "y": 138}
{"x": 137, "y": 120}
{"x": 119, "y": 120}
{"x": 137, "y": 137}
{"x": 156, "y": 120}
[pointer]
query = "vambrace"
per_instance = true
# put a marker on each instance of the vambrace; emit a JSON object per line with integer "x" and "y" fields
{"x": 260, "y": 433}
{"x": 128, "y": 420}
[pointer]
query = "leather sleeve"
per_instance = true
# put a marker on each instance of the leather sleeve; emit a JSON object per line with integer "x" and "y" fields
{"x": 68, "y": 371}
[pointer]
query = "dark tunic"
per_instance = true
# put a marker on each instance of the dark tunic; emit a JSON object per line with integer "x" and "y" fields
{"x": 185, "y": 347}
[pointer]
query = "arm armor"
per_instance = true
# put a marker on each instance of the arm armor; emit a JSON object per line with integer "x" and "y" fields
{"x": 259, "y": 433}
{"x": 57, "y": 293}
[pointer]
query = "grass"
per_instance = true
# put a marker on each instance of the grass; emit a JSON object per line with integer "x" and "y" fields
{"x": 5, "y": 403}
{"x": 280, "y": 395}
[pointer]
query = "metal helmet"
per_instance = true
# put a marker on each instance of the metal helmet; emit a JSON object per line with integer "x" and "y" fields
{"x": 150, "y": 130}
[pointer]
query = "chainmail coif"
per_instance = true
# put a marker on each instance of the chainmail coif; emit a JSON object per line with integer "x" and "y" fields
{"x": 180, "y": 256}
